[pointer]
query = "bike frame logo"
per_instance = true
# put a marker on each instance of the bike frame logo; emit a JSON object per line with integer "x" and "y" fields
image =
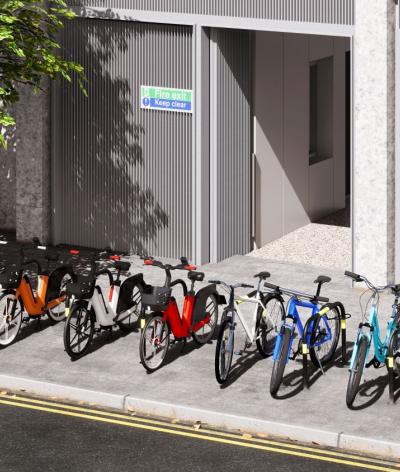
{"x": 166, "y": 99}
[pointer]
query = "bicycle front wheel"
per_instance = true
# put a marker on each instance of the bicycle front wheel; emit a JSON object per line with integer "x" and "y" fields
{"x": 281, "y": 360}
{"x": 224, "y": 350}
{"x": 10, "y": 318}
{"x": 268, "y": 323}
{"x": 357, "y": 370}
{"x": 325, "y": 337}
{"x": 78, "y": 330}
{"x": 154, "y": 343}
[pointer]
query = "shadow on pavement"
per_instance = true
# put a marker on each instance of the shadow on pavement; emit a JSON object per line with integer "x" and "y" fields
{"x": 294, "y": 380}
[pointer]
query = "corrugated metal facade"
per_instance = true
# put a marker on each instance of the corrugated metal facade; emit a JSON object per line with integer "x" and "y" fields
{"x": 230, "y": 62}
{"x": 122, "y": 176}
{"x": 319, "y": 11}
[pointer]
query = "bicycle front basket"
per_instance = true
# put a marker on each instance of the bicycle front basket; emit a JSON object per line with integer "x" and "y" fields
{"x": 10, "y": 279}
{"x": 156, "y": 298}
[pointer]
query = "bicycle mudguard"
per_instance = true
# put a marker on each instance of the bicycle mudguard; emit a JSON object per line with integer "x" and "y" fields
{"x": 55, "y": 279}
{"x": 125, "y": 301}
{"x": 199, "y": 310}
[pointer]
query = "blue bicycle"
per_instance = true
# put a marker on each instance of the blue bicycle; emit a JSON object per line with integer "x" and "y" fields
{"x": 319, "y": 336}
{"x": 369, "y": 332}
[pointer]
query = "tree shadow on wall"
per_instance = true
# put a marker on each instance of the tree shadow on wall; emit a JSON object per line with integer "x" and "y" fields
{"x": 101, "y": 171}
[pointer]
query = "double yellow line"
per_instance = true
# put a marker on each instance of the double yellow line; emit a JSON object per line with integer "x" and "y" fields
{"x": 176, "y": 429}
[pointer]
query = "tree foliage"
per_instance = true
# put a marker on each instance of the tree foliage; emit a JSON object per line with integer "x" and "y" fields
{"x": 29, "y": 50}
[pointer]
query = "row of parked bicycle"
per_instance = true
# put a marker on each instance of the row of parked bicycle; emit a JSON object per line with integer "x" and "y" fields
{"x": 71, "y": 291}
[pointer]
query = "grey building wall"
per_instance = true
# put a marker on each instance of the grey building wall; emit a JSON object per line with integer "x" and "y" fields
{"x": 230, "y": 143}
{"x": 123, "y": 175}
{"x": 33, "y": 183}
{"x": 319, "y": 11}
{"x": 374, "y": 121}
{"x": 25, "y": 168}
{"x": 7, "y": 179}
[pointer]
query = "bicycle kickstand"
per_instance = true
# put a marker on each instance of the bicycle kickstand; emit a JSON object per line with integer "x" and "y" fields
{"x": 306, "y": 378}
{"x": 390, "y": 367}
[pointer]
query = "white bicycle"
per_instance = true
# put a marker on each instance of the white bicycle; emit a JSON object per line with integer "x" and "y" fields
{"x": 91, "y": 312}
{"x": 268, "y": 312}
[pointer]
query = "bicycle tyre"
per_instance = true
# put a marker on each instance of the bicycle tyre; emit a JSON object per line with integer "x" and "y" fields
{"x": 226, "y": 338}
{"x": 57, "y": 313}
{"x": 262, "y": 327}
{"x": 356, "y": 373}
{"x": 212, "y": 306}
{"x": 278, "y": 368}
{"x": 5, "y": 322}
{"x": 335, "y": 337}
{"x": 79, "y": 318}
{"x": 129, "y": 323}
{"x": 151, "y": 326}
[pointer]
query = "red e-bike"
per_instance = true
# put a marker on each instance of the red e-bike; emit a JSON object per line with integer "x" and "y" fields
{"x": 199, "y": 315}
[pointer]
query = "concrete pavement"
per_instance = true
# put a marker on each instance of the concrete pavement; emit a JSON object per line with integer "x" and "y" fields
{"x": 186, "y": 386}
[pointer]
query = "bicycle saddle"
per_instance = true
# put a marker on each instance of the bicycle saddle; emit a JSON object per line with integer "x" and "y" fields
{"x": 196, "y": 276}
{"x": 263, "y": 275}
{"x": 322, "y": 279}
{"x": 122, "y": 266}
{"x": 51, "y": 256}
{"x": 396, "y": 289}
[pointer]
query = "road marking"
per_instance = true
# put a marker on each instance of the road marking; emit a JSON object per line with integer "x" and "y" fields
{"x": 187, "y": 431}
{"x": 175, "y": 424}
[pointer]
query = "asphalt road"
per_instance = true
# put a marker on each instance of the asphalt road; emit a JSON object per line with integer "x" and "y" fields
{"x": 39, "y": 435}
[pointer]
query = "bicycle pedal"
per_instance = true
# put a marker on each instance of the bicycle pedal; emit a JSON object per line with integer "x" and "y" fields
{"x": 238, "y": 353}
{"x": 26, "y": 319}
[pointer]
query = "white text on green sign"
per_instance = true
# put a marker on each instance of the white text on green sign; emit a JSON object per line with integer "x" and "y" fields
{"x": 166, "y": 99}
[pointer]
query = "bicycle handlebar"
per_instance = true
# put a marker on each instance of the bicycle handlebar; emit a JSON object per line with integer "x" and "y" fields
{"x": 230, "y": 287}
{"x": 370, "y": 285}
{"x": 184, "y": 265}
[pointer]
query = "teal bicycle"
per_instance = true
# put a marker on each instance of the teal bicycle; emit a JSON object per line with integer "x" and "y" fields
{"x": 386, "y": 351}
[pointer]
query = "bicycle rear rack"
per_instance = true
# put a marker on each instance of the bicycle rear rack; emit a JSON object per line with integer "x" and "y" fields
{"x": 305, "y": 348}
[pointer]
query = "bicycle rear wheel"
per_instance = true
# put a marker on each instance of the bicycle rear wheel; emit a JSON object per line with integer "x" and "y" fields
{"x": 281, "y": 360}
{"x": 268, "y": 323}
{"x": 205, "y": 334}
{"x": 57, "y": 313}
{"x": 325, "y": 337}
{"x": 128, "y": 320}
{"x": 78, "y": 330}
{"x": 154, "y": 343}
{"x": 224, "y": 350}
{"x": 357, "y": 370}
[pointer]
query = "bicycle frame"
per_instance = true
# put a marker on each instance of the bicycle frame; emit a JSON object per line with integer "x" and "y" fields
{"x": 251, "y": 333}
{"x": 181, "y": 326}
{"x": 294, "y": 315}
{"x": 35, "y": 305}
{"x": 374, "y": 335}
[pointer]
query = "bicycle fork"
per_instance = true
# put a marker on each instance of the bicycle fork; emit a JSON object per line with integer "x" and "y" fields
{"x": 278, "y": 343}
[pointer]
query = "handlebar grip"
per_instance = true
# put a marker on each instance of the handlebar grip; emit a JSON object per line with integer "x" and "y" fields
{"x": 354, "y": 276}
{"x": 247, "y": 286}
{"x": 322, "y": 299}
{"x": 216, "y": 282}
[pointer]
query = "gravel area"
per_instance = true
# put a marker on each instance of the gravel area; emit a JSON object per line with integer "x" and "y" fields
{"x": 314, "y": 244}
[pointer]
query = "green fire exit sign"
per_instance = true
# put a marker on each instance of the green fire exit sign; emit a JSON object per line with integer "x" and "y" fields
{"x": 166, "y": 99}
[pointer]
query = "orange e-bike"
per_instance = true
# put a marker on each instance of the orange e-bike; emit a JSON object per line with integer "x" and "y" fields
{"x": 17, "y": 295}
{"x": 198, "y": 320}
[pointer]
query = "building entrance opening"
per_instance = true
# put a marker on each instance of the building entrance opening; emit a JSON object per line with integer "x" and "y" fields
{"x": 301, "y": 161}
